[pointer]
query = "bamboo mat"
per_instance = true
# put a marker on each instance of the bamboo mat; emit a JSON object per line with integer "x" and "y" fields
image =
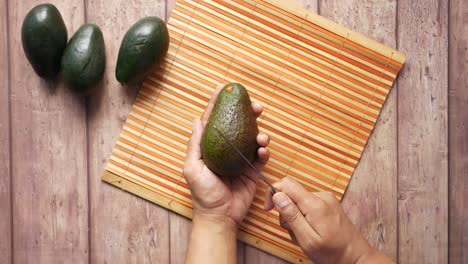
{"x": 322, "y": 87}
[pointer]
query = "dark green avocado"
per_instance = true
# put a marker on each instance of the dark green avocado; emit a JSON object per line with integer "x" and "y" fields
{"x": 233, "y": 115}
{"x": 44, "y": 37}
{"x": 142, "y": 50}
{"x": 84, "y": 59}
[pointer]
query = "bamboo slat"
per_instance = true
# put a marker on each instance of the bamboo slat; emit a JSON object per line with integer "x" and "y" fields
{"x": 322, "y": 87}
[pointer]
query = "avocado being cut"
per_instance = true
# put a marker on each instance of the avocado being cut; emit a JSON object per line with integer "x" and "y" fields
{"x": 142, "y": 50}
{"x": 234, "y": 117}
{"x": 44, "y": 37}
{"x": 84, "y": 59}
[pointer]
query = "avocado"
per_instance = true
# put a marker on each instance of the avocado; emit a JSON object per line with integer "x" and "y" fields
{"x": 234, "y": 117}
{"x": 44, "y": 37}
{"x": 142, "y": 50}
{"x": 84, "y": 59}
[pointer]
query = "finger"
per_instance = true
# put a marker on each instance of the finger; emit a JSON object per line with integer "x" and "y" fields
{"x": 269, "y": 196}
{"x": 294, "y": 219}
{"x": 283, "y": 223}
{"x": 263, "y": 139}
{"x": 327, "y": 197}
{"x": 305, "y": 200}
{"x": 257, "y": 108}
{"x": 193, "y": 148}
{"x": 268, "y": 200}
{"x": 291, "y": 234}
{"x": 286, "y": 226}
{"x": 211, "y": 103}
{"x": 263, "y": 155}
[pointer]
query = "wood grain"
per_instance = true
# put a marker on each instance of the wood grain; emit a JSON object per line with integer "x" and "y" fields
{"x": 254, "y": 255}
{"x": 180, "y": 228}
{"x": 123, "y": 227}
{"x": 370, "y": 200}
{"x": 5, "y": 201}
{"x": 458, "y": 131}
{"x": 48, "y": 137}
{"x": 422, "y": 132}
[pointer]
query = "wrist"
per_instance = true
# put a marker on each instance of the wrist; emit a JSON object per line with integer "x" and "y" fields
{"x": 373, "y": 256}
{"x": 357, "y": 250}
{"x": 214, "y": 222}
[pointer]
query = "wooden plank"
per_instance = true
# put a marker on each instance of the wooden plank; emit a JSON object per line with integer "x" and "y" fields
{"x": 252, "y": 254}
{"x": 123, "y": 227}
{"x": 5, "y": 201}
{"x": 458, "y": 129}
{"x": 179, "y": 236}
{"x": 370, "y": 200}
{"x": 422, "y": 132}
{"x": 48, "y": 137}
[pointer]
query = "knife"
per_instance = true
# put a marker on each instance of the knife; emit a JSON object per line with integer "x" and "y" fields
{"x": 259, "y": 174}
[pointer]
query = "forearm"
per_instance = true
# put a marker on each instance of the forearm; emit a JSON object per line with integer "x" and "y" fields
{"x": 213, "y": 240}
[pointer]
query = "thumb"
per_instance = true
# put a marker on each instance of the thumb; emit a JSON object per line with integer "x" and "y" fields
{"x": 294, "y": 218}
{"x": 194, "y": 149}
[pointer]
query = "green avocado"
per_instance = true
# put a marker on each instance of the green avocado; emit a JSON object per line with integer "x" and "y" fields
{"x": 44, "y": 37}
{"x": 84, "y": 59}
{"x": 142, "y": 50}
{"x": 233, "y": 115}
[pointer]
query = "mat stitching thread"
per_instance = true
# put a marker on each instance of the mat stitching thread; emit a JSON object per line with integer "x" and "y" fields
{"x": 177, "y": 185}
{"x": 239, "y": 42}
{"x": 267, "y": 217}
{"x": 363, "y": 116}
{"x": 317, "y": 105}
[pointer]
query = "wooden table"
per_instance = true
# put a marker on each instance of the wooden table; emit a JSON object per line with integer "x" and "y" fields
{"x": 408, "y": 194}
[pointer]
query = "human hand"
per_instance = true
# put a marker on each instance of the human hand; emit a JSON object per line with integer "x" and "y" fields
{"x": 212, "y": 197}
{"x": 319, "y": 225}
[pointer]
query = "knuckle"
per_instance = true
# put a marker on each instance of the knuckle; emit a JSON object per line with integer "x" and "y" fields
{"x": 292, "y": 214}
{"x": 309, "y": 218}
{"x": 331, "y": 197}
{"x": 322, "y": 207}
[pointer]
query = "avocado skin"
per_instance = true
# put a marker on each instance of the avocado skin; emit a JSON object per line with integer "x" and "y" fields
{"x": 84, "y": 59}
{"x": 44, "y": 38}
{"x": 233, "y": 115}
{"x": 142, "y": 50}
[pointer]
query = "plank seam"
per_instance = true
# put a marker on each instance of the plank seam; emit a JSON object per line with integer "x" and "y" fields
{"x": 88, "y": 169}
{"x": 10, "y": 132}
{"x": 268, "y": 217}
{"x": 449, "y": 80}
{"x": 333, "y": 68}
{"x": 397, "y": 44}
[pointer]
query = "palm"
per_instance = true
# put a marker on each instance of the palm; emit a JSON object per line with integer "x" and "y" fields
{"x": 229, "y": 197}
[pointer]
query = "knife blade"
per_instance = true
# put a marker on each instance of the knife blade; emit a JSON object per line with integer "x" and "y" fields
{"x": 259, "y": 174}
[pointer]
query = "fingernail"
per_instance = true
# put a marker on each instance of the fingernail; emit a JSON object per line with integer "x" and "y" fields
{"x": 280, "y": 200}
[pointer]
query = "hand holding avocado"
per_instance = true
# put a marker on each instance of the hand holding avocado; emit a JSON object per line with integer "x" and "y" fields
{"x": 82, "y": 61}
{"x": 227, "y": 199}
{"x": 233, "y": 115}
